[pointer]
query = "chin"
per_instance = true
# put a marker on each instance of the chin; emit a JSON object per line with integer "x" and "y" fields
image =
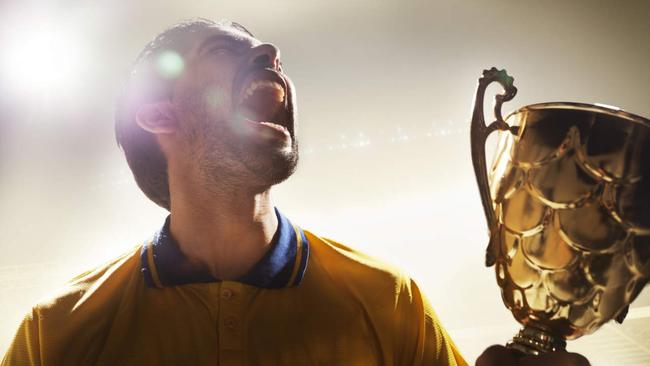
{"x": 274, "y": 167}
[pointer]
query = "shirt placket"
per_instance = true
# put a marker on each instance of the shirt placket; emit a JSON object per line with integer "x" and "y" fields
{"x": 230, "y": 324}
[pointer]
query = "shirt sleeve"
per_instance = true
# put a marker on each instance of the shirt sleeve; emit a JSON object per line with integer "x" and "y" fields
{"x": 422, "y": 339}
{"x": 25, "y": 348}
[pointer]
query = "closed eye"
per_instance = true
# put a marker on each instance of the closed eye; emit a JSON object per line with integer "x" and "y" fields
{"x": 221, "y": 49}
{"x": 229, "y": 47}
{"x": 221, "y": 44}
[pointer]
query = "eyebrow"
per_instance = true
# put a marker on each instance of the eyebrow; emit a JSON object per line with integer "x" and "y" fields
{"x": 222, "y": 38}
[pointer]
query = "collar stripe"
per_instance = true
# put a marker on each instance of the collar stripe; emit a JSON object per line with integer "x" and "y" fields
{"x": 298, "y": 261}
{"x": 152, "y": 265}
{"x": 282, "y": 266}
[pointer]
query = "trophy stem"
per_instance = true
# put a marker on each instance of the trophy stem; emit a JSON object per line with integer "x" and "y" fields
{"x": 535, "y": 341}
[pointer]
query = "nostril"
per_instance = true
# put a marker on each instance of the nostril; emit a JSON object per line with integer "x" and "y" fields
{"x": 262, "y": 60}
{"x": 265, "y": 55}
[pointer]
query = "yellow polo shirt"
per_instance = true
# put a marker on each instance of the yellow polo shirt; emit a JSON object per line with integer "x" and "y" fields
{"x": 309, "y": 301}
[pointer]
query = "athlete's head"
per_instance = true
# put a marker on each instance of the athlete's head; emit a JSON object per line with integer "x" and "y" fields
{"x": 211, "y": 97}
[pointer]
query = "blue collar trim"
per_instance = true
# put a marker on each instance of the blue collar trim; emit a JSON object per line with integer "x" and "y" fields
{"x": 163, "y": 264}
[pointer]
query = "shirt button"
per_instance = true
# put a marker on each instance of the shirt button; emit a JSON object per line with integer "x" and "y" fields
{"x": 226, "y": 294}
{"x": 230, "y": 322}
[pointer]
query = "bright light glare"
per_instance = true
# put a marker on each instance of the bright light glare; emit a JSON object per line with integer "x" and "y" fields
{"x": 170, "y": 64}
{"x": 42, "y": 59}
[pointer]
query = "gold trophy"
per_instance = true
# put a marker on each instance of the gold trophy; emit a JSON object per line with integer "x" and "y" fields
{"x": 567, "y": 203}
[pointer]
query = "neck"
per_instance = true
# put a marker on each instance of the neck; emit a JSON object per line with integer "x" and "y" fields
{"x": 225, "y": 230}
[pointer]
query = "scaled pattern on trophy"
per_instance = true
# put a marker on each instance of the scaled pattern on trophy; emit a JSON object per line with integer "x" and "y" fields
{"x": 572, "y": 197}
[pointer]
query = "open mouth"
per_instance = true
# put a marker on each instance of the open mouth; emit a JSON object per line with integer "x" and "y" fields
{"x": 262, "y": 99}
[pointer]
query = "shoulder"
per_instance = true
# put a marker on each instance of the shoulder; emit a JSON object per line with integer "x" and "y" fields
{"x": 343, "y": 261}
{"x": 86, "y": 291}
{"x": 74, "y": 316}
{"x": 394, "y": 305}
{"x": 374, "y": 283}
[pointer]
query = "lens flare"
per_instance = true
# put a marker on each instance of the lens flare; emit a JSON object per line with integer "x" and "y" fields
{"x": 170, "y": 64}
{"x": 42, "y": 59}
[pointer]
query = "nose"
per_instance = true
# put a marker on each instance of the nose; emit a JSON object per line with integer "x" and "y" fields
{"x": 265, "y": 55}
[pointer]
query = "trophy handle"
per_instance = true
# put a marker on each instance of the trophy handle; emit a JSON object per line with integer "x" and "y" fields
{"x": 479, "y": 134}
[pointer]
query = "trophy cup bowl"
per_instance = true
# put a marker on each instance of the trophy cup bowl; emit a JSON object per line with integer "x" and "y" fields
{"x": 567, "y": 201}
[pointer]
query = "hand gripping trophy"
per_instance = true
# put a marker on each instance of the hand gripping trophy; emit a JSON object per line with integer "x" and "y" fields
{"x": 567, "y": 203}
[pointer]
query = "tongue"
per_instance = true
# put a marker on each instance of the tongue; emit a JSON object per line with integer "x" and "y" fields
{"x": 262, "y": 106}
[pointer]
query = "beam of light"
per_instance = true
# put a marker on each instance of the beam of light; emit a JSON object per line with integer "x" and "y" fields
{"x": 41, "y": 57}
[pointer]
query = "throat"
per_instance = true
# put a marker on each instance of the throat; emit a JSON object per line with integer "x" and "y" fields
{"x": 225, "y": 235}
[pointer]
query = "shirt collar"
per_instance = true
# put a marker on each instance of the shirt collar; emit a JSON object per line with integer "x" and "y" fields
{"x": 163, "y": 264}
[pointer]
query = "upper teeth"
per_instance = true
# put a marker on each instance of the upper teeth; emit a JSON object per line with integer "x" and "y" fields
{"x": 265, "y": 84}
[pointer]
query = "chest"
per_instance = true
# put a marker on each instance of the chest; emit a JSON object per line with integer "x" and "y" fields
{"x": 231, "y": 324}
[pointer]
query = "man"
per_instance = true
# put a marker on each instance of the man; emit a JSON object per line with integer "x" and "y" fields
{"x": 208, "y": 125}
{"x": 229, "y": 279}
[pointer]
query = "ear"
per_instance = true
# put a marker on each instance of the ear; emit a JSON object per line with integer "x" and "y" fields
{"x": 157, "y": 118}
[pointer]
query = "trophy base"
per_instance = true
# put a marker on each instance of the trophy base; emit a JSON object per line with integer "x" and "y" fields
{"x": 535, "y": 341}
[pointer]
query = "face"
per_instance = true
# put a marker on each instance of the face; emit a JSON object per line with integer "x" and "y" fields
{"x": 236, "y": 110}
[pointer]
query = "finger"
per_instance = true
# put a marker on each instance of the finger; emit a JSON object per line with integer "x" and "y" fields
{"x": 559, "y": 358}
{"x": 496, "y": 355}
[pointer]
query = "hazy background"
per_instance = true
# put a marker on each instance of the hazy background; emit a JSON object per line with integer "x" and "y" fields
{"x": 384, "y": 93}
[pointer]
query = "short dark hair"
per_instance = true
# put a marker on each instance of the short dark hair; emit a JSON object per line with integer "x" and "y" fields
{"x": 146, "y": 84}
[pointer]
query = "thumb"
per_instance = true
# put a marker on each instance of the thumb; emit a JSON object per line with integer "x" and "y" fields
{"x": 496, "y": 355}
{"x": 560, "y": 358}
